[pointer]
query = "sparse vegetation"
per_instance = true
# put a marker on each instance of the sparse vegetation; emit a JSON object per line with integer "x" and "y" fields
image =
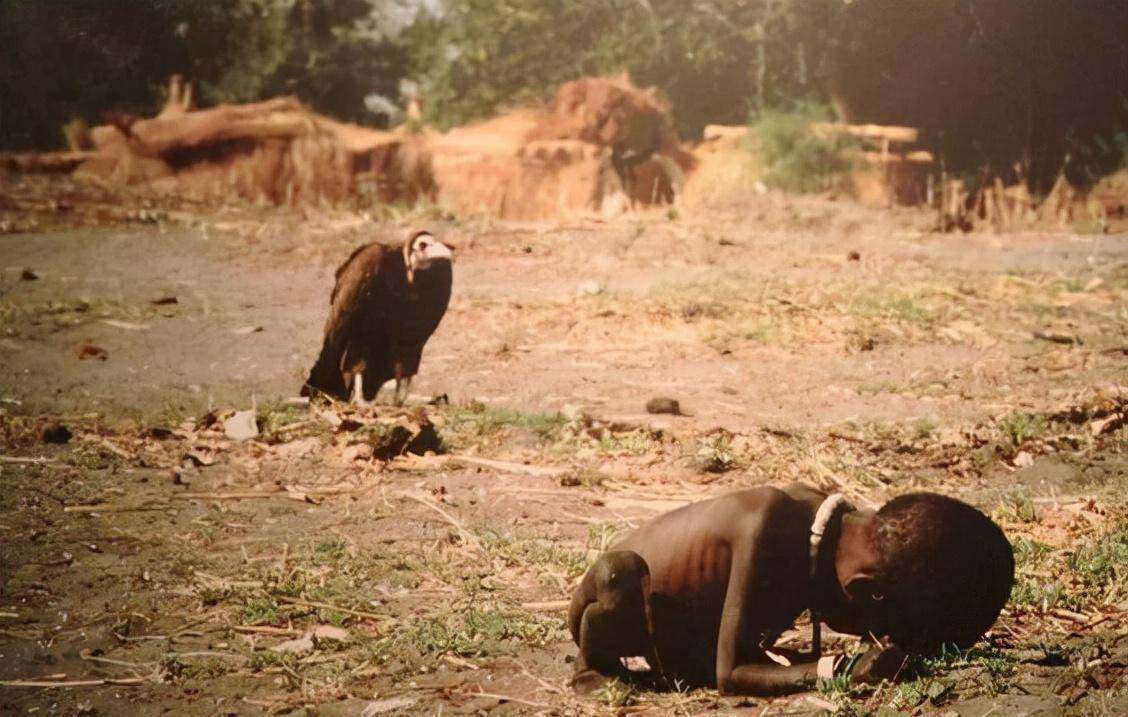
{"x": 797, "y": 158}
{"x": 322, "y": 580}
{"x": 1022, "y": 427}
{"x": 481, "y": 631}
{"x": 478, "y": 419}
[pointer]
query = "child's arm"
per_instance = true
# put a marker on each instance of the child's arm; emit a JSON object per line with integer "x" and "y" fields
{"x": 874, "y": 665}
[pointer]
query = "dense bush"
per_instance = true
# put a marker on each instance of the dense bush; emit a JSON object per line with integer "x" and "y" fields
{"x": 797, "y": 159}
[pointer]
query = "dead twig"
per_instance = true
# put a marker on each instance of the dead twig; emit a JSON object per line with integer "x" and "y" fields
{"x": 18, "y": 460}
{"x": 124, "y": 682}
{"x": 509, "y": 467}
{"x": 238, "y": 495}
{"x": 266, "y": 630}
{"x": 467, "y": 537}
{"x": 114, "y": 508}
{"x": 506, "y": 698}
{"x": 546, "y": 605}
{"x": 330, "y": 606}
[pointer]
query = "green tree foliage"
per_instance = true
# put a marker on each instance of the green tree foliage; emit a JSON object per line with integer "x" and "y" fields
{"x": 80, "y": 58}
{"x": 991, "y": 83}
{"x": 712, "y": 60}
{"x": 796, "y": 159}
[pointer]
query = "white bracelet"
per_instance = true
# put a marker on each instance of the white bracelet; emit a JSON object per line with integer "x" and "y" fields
{"x": 825, "y": 666}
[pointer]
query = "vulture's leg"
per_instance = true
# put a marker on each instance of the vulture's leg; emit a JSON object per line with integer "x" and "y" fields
{"x": 402, "y": 386}
{"x": 358, "y": 389}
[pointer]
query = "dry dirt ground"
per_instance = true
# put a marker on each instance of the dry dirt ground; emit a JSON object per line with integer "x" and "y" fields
{"x": 151, "y": 564}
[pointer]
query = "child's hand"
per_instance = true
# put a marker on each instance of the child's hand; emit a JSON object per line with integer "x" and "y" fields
{"x": 877, "y": 664}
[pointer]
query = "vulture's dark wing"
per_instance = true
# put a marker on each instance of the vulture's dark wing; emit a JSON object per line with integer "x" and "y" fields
{"x": 356, "y": 300}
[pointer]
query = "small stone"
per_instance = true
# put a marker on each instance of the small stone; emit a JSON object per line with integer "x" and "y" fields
{"x": 591, "y": 287}
{"x": 1023, "y": 460}
{"x": 301, "y": 644}
{"x": 57, "y": 433}
{"x": 241, "y": 426}
{"x": 87, "y": 350}
{"x": 661, "y": 404}
{"x": 358, "y": 452}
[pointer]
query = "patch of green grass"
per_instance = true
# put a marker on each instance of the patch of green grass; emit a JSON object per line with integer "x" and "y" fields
{"x": 1022, "y": 427}
{"x": 908, "y": 308}
{"x": 798, "y": 159}
{"x": 207, "y": 668}
{"x": 174, "y": 667}
{"x": 91, "y": 457}
{"x": 261, "y": 611}
{"x": 275, "y": 417}
{"x": 875, "y": 388}
{"x": 169, "y": 415}
{"x": 480, "y": 419}
{"x": 1021, "y": 506}
{"x": 1038, "y": 593}
{"x": 263, "y": 659}
{"x": 990, "y": 667}
{"x": 1102, "y": 565}
{"x": 330, "y": 551}
{"x": 724, "y": 334}
{"x": 1092, "y": 574}
{"x": 1030, "y": 589}
{"x": 546, "y": 556}
{"x": 715, "y": 454}
{"x": 586, "y": 477}
{"x": 712, "y": 297}
{"x": 204, "y": 527}
{"x": 478, "y": 632}
{"x": 635, "y": 442}
{"x": 601, "y": 535}
{"x": 617, "y": 694}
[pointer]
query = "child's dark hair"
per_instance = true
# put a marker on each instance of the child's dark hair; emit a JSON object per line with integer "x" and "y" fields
{"x": 946, "y": 571}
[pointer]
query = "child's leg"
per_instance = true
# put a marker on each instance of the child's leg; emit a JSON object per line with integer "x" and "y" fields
{"x": 615, "y": 620}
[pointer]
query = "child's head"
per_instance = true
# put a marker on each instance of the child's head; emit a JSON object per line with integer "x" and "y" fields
{"x": 944, "y": 572}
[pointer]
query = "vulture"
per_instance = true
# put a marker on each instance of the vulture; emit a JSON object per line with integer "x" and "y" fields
{"x": 385, "y": 304}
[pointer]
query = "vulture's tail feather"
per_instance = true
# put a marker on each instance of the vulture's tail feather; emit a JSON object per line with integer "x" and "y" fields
{"x": 325, "y": 376}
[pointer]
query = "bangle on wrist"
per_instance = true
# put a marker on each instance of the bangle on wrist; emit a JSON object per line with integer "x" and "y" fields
{"x": 825, "y": 667}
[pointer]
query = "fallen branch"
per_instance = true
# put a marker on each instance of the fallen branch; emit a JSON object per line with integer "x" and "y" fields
{"x": 22, "y": 460}
{"x": 266, "y": 630}
{"x": 510, "y": 467}
{"x": 330, "y": 606}
{"x": 242, "y": 495}
{"x": 507, "y": 698}
{"x": 546, "y": 605}
{"x": 467, "y": 537}
{"x": 124, "y": 682}
{"x": 1070, "y": 615}
{"x": 113, "y": 508}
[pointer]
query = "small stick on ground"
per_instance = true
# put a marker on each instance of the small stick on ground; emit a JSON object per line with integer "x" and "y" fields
{"x": 510, "y": 467}
{"x": 546, "y": 605}
{"x": 242, "y": 495}
{"x": 124, "y": 682}
{"x": 22, "y": 460}
{"x": 507, "y": 698}
{"x": 266, "y": 630}
{"x": 467, "y": 537}
{"x": 330, "y": 606}
{"x": 114, "y": 508}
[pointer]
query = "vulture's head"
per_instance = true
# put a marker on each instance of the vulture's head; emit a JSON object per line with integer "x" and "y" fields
{"x": 422, "y": 251}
